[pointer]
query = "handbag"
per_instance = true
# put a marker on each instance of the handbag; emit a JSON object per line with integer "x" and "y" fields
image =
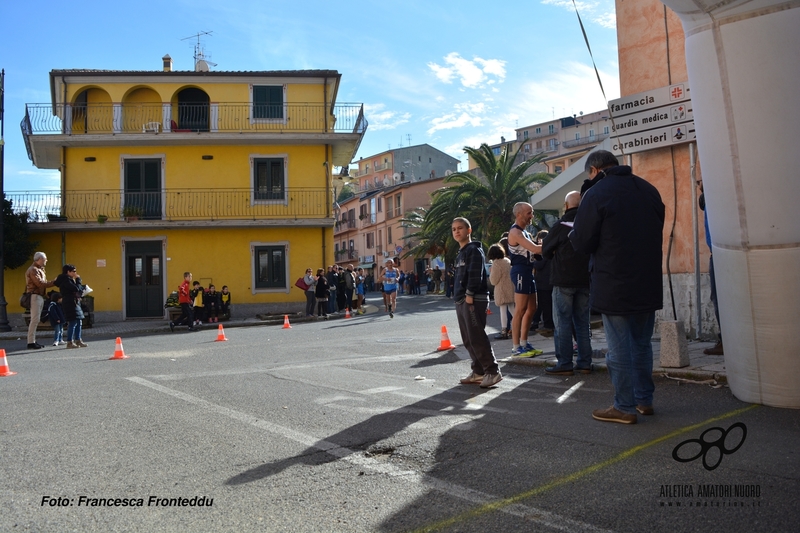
{"x": 301, "y": 284}
{"x": 25, "y": 300}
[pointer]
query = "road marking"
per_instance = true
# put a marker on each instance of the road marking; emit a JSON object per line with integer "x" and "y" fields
{"x": 529, "y": 514}
{"x": 378, "y": 390}
{"x": 570, "y": 392}
{"x": 499, "y": 505}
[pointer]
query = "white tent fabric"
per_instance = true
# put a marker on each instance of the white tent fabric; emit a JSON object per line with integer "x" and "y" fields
{"x": 551, "y": 196}
{"x": 743, "y": 70}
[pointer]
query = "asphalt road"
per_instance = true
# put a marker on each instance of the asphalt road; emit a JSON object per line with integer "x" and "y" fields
{"x": 360, "y": 425}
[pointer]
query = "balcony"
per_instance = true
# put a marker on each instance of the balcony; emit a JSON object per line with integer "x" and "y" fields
{"x": 345, "y": 225}
{"x": 384, "y": 166}
{"x": 47, "y": 128}
{"x": 584, "y": 140}
{"x": 522, "y": 138}
{"x": 48, "y": 210}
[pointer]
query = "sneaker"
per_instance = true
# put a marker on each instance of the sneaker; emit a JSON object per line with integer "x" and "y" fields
{"x": 71, "y": 344}
{"x": 613, "y": 415}
{"x": 545, "y": 332}
{"x": 646, "y": 410}
{"x": 391, "y": 313}
{"x": 61, "y": 343}
{"x": 472, "y": 379}
{"x": 531, "y": 351}
{"x": 490, "y": 380}
{"x": 172, "y": 326}
{"x": 555, "y": 371}
{"x": 519, "y": 352}
{"x": 502, "y": 335}
{"x": 80, "y": 344}
{"x": 55, "y": 344}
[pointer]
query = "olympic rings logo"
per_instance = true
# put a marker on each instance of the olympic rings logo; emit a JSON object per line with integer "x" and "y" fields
{"x": 708, "y": 445}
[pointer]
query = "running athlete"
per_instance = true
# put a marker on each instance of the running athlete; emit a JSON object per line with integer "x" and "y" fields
{"x": 522, "y": 248}
{"x": 390, "y": 277}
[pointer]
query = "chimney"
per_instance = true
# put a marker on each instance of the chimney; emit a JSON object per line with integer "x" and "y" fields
{"x": 167, "y": 63}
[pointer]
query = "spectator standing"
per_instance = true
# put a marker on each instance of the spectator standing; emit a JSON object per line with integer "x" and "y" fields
{"x": 544, "y": 292}
{"x": 500, "y": 277}
{"x": 620, "y": 222}
{"x": 333, "y": 283}
{"x": 472, "y": 299}
{"x": 437, "y": 280}
{"x": 197, "y": 301}
{"x": 57, "y": 318}
{"x": 311, "y": 297}
{"x": 341, "y": 286}
{"x": 71, "y": 287}
{"x": 569, "y": 273}
{"x": 349, "y": 287}
{"x": 322, "y": 292}
{"x": 36, "y": 284}
{"x": 212, "y": 304}
{"x": 186, "y": 302}
{"x": 360, "y": 294}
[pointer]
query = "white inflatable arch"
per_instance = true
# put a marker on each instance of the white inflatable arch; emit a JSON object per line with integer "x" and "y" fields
{"x": 744, "y": 72}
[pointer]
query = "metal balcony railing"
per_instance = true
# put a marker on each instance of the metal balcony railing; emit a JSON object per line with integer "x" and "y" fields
{"x": 585, "y": 140}
{"x": 147, "y": 119}
{"x": 383, "y": 166}
{"x": 171, "y": 204}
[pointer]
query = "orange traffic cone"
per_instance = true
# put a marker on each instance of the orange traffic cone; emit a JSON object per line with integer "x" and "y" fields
{"x": 221, "y": 334}
{"x": 347, "y": 313}
{"x": 4, "y": 370}
{"x": 286, "y": 322}
{"x": 119, "y": 353}
{"x": 488, "y": 309}
{"x": 445, "y": 344}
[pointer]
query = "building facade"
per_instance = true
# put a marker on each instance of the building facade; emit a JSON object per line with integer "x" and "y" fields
{"x": 387, "y": 186}
{"x": 224, "y": 174}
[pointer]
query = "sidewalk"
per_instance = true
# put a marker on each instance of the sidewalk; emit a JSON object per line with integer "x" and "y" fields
{"x": 701, "y": 367}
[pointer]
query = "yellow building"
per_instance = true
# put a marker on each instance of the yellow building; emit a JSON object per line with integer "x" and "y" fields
{"x": 223, "y": 174}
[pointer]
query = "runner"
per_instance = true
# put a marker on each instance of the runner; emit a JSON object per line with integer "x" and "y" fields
{"x": 390, "y": 276}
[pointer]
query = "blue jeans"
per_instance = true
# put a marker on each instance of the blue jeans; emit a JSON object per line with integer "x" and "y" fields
{"x": 74, "y": 330}
{"x": 571, "y": 308}
{"x": 332, "y": 302}
{"x": 630, "y": 359}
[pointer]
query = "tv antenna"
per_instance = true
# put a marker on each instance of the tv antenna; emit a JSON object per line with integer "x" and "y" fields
{"x": 201, "y": 61}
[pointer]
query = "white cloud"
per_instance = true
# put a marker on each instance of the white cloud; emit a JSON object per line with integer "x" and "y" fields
{"x": 471, "y": 74}
{"x": 601, "y": 12}
{"x": 381, "y": 119}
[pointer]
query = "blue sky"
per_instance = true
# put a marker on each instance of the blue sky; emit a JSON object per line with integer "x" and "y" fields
{"x": 447, "y": 73}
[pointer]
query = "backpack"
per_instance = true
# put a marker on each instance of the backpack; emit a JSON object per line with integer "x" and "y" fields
{"x": 45, "y": 316}
{"x": 172, "y": 300}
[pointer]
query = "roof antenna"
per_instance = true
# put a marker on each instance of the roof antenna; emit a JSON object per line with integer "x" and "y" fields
{"x": 201, "y": 64}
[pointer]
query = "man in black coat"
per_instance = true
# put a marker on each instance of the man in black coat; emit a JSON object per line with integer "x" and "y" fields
{"x": 620, "y": 222}
{"x": 569, "y": 274}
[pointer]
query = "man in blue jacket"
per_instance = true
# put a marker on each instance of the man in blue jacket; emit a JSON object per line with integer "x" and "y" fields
{"x": 620, "y": 223}
{"x": 471, "y": 294}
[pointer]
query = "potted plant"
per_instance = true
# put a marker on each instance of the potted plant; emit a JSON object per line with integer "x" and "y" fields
{"x": 101, "y": 219}
{"x": 132, "y": 212}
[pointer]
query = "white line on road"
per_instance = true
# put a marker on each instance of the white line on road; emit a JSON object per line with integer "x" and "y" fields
{"x": 563, "y": 397}
{"x": 528, "y": 513}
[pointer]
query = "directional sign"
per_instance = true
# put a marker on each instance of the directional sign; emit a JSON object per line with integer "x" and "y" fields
{"x": 651, "y": 139}
{"x": 652, "y": 119}
{"x": 663, "y": 96}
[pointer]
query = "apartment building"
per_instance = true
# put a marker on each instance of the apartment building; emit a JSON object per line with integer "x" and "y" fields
{"x": 224, "y": 174}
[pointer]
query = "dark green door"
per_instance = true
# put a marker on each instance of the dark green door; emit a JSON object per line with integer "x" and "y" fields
{"x": 142, "y": 189}
{"x": 144, "y": 279}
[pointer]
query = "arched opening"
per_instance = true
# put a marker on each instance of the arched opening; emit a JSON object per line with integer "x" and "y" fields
{"x": 193, "y": 110}
{"x": 91, "y": 112}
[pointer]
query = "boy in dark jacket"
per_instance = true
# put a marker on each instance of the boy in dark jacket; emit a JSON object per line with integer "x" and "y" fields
{"x": 57, "y": 318}
{"x": 225, "y": 302}
{"x": 212, "y": 304}
{"x": 471, "y": 294}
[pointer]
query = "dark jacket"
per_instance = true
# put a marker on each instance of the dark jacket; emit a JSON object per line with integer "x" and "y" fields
{"x": 568, "y": 268}
{"x": 471, "y": 276}
{"x": 56, "y": 314}
{"x": 620, "y": 222}
{"x": 71, "y": 290}
{"x": 322, "y": 290}
{"x": 212, "y": 300}
{"x": 541, "y": 275}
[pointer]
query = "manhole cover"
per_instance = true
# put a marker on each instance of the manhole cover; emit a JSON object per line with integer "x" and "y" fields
{"x": 395, "y": 340}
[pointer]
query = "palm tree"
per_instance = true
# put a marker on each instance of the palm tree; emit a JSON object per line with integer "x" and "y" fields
{"x": 485, "y": 198}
